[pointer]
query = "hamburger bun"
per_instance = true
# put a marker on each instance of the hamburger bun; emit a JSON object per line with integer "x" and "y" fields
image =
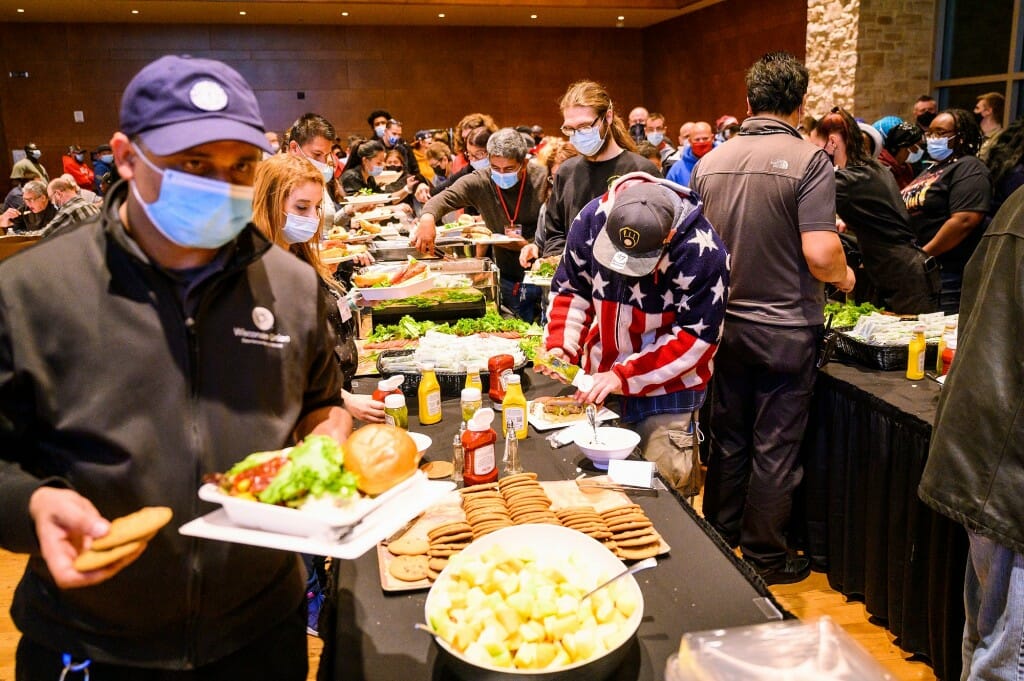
{"x": 370, "y": 279}
{"x": 380, "y": 456}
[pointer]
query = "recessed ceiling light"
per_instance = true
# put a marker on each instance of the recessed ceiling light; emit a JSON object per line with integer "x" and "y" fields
{"x": 344, "y": 14}
{"x": 21, "y": 11}
{"x": 242, "y": 13}
{"x": 533, "y": 16}
{"x": 441, "y": 15}
{"x": 135, "y": 11}
{"x": 621, "y": 18}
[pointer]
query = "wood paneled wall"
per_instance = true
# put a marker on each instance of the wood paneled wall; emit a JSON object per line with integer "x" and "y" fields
{"x": 426, "y": 77}
{"x": 691, "y": 67}
{"x": 694, "y": 66}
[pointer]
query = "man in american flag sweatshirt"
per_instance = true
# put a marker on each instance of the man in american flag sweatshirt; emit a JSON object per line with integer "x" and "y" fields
{"x": 638, "y": 302}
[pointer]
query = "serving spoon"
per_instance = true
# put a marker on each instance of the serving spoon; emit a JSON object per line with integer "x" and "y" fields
{"x": 633, "y": 569}
{"x": 592, "y": 420}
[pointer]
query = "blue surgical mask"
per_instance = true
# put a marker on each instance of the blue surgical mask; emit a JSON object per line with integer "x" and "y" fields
{"x": 379, "y": 130}
{"x": 376, "y": 170}
{"x": 392, "y": 140}
{"x": 505, "y": 180}
{"x": 655, "y": 138}
{"x": 79, "y": 157}
{"x": 480, "y": 163}
{"x": 107, "y": 158}
{"x": 915, "y": 156}
{"x": 298, "y": 229}
{"x": 588, "y": 143}
{"x": 939, "y": 149}
{"x": 36, "y": 154}
{"x": 326, "y": 170}
{"x": 196, "y": 212}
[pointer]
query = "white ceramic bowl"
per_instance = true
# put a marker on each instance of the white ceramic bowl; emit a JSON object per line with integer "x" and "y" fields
{"x": 612, "y": 443}
{"x": 545, "y": 538}
{"x": 422, "y": 441}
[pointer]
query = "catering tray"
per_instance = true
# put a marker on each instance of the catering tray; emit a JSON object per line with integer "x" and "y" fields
{"x": 403, "y": 290}
{"x": 563, "y": 494}
{"x": 451, "y": 382}
{"x": 884, "y": 357}
{"x": 397, "y": 250}
{"x": 391, "y": 313}
{"x": 361, "y": 537}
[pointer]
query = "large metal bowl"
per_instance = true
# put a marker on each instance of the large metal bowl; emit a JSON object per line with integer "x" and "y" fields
{"x": 545, "y": 538}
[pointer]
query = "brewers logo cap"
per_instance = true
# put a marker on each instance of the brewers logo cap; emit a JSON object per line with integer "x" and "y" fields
{"x": 638, "y": 224}
{"x": 175, "y": 103}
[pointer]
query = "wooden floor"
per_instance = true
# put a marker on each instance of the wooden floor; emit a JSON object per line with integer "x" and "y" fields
{"x": 808, "y": 599}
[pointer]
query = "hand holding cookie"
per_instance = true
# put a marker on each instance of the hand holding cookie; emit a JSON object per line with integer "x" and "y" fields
{"x": 66, "y": 523}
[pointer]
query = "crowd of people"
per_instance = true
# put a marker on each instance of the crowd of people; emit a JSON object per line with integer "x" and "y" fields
{"x": 688, "y": 269}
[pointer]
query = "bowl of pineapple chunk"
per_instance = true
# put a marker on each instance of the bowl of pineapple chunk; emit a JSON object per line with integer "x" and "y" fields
{"x": 510, "y": 606}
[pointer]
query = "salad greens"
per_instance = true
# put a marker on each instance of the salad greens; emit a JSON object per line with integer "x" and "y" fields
{"x": 545, "y": 269}
{"x": 847, "y": 314}
{"x": 314, "y": 469}
{"x": 492, "y": 322}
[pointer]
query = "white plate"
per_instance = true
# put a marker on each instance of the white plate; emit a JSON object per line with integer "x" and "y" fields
{"x": 394, "y": 513}
{"x": 541, "y": 422}
{"x": 496, "y": 239}
{"x": 403, "y": 290}
{"x": 536, "y": 280}
{"x": 387, "y": 177}
{"x": 367, "y": 199}
{"x": 306, "y": 522}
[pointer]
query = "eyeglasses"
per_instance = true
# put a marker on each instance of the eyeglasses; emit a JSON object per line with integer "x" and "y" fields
{"x": 33, "y": 198}
{"x": 569, "y": 132}
{"x": 477, "y": 155}
{"x": 939, "y": 134}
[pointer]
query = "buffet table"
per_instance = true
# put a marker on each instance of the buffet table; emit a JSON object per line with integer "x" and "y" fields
{"x": 699, "y": 585}
{"x": 864, "y": 452}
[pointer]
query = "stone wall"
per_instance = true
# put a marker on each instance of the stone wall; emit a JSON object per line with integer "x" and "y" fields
{"x": 872, "y": 57}
{"x": 895, "y": 48}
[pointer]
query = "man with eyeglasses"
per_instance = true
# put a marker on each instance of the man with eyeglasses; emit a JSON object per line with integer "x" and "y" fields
{"x": 606, "y": 152}
{"x": 162, "y": 341}
{"x": 37, "y": 212}
{"x": 507, "y": 193}
{"x": 72, "y": 209}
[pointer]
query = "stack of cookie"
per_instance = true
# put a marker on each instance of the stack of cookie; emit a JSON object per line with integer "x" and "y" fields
{"x": 445, "y": 541}
{"x": 485, "y": 509}
{"x": 526, "y": 500}
{"x": 587, "y": 520}
{"x": 632, "y": 532}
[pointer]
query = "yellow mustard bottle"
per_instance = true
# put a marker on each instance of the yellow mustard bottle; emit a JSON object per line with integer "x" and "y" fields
{"x": 473, "y": 377}
{"x": 915, "y": 354}
{"x": 429, "y": 395}
{"x": 513, "y": 407}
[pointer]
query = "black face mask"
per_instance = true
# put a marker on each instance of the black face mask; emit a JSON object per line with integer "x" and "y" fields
{"x": 395, "y": 168}
{"x": 638, "y": 132}
{"x": 977, "y": 117}
{"x": 925, "y": 120}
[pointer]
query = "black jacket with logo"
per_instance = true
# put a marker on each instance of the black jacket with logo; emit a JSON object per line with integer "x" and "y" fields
{"x": 107, "y": 386}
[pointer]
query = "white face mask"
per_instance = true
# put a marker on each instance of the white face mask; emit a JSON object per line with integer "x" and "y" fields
{"x": 915, "y": 156}
{"x": 298, "y": 229}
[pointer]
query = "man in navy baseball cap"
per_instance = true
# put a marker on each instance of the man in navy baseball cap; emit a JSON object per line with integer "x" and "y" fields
{"x": 195, "y": 341}
{"x": 179, "y": 102}
{"x": 191, "y": 136}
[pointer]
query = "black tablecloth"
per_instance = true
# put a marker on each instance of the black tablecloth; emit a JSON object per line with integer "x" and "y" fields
{"x": 865, "y": 448}
{"x": 699, "y": 585}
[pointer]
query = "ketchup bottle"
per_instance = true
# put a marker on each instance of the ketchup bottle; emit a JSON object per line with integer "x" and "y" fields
{"x": 389, "y": 386}
{"x": 499, "y": 367}
{"x": 478, "y": 455}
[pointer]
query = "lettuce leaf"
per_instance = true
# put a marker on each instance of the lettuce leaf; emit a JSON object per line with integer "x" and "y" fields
{"x": 315, "y": 468}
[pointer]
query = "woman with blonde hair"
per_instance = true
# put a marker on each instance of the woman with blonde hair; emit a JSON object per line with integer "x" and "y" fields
{"x": 287, "y": 198}
{"x": 468, "y": 124}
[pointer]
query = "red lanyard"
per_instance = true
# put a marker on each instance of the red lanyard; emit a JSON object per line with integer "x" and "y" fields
{"x": 504, "y": 207}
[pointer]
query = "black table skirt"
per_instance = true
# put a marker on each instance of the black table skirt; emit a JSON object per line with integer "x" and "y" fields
{"x": 699, "y": 585}
{"x": 864, "y": 452}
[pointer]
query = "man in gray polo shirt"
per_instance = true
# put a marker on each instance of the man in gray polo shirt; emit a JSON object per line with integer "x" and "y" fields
{"x": 771, "y": 196}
